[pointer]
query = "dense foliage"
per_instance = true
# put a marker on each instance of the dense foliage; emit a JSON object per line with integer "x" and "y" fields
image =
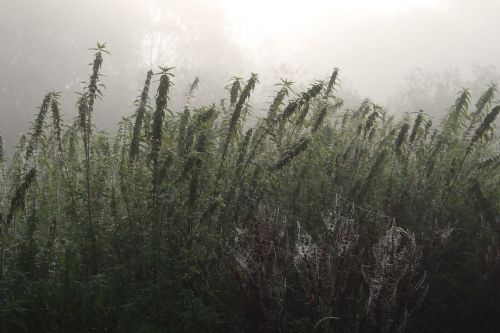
{"x": 314, "y": 218}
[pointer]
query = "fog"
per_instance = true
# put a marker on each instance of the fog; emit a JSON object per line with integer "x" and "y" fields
{"x": 404, "y": 54}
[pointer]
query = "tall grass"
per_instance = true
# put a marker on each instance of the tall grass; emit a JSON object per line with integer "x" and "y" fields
{"x": 317, "y": 218}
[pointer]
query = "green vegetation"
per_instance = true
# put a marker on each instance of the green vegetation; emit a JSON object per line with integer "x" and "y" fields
{"x": 315, "y": 218}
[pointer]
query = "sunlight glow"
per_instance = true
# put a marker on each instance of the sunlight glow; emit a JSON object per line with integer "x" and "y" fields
{"x": 259, "y": 21}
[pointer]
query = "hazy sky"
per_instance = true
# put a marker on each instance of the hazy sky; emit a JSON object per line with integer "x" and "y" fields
{"x": 376, "y": 44}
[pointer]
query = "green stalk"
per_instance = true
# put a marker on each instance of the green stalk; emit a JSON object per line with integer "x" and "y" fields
{"x": 485, "y": 125}
{"x": 85, "y": 109}
{"x": 38, "y": 126}
{"x": 233, "y": 122}
{"x": 139, "y": 119}
{"x": 331, "y": 83}
{"x": 156, "y": 141}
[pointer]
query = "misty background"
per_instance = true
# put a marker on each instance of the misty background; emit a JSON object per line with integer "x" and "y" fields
{"x": 403, "y": 54}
